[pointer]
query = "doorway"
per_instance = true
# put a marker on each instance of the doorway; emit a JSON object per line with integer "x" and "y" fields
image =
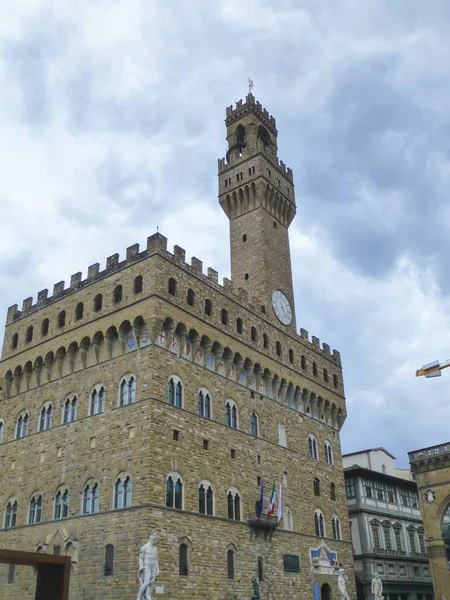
{"x": 325, "y": 592}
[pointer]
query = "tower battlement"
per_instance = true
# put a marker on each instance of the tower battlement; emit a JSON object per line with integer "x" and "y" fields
{"x": 250, "y": 105}
{"x": 157, "y": 244}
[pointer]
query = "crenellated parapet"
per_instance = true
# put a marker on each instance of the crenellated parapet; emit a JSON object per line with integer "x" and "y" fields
{"x": 251, "y": 105}
{"x": 157, "y": 244}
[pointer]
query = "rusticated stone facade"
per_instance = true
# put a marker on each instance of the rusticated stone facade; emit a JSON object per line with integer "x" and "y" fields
{"x": 169, "y": 321}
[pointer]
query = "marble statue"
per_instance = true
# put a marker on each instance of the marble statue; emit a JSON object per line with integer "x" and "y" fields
{"x": 342, "y": 584}
{"x": 377, "y": 588}
{"x": 148, "y": 568}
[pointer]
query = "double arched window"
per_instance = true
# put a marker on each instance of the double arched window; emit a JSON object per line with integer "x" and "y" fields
{"x": 254, "y": 424}
{"x": 62, "y": 500}
{"x": 175, "y": 391}
{"x": 234, "y": 504}
{"x": 174, "y": 491}
{"x": 45, "y": 421}
{"x": 122, "y": 492}
{"x": 70, "y": 409}
{"x": 328, "y": 453}
{"x": 231, "y": 414}
{"x": 312, "y": 447}
{"x": 90, "y": 499}
{"x": 22, "y": 426}
{"x": 35, "y": 509}
{"x": 204, "y": 404}
{"x": 127, "y": 390}
{"x": 205, "y": 499}
{"x": 97, "y": 404}
{"x": 319, "y": 523}
{"x": 336, "y": 524}
{"x": 11, "y": 514}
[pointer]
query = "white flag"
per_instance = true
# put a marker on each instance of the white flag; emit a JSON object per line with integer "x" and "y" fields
{"x": 280, "y": 504}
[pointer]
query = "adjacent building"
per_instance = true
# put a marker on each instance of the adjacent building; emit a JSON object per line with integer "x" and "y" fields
{"x": 150, "y": 397}
{"x": 386, "y": 527}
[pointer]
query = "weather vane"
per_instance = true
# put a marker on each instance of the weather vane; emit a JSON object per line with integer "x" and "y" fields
{"x": 250, "y": 85}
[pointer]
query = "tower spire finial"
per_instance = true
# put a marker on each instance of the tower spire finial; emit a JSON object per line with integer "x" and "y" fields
{"x": 250, "y": 85}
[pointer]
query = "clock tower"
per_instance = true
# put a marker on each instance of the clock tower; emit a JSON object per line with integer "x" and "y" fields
{"x": 256, "y": 192}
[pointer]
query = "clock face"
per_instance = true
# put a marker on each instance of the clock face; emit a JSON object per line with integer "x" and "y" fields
{"x": 281, "y": 307}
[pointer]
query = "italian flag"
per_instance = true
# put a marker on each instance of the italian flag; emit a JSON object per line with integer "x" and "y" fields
{"x": 271, "y": 510}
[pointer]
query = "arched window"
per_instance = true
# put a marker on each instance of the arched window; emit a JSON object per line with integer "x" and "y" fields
{"x": 265, "y": 340}
{"x": 254, "y": 424}
{"x": 208, "y": 307}
{"x": 254, "y": 334}
{"x": 172, "y": 286}
{"x": 239, "y": 325}
{"x": 312, "y": 446}
{"x": 97, "y": 400}
{"x": 45, "y": 421}
{"x": 230, "y": 564}
{"x": 398, "y": 537}
{"x": 70, "y": 409}
{"x": 316, "y": 486}
{"x": 332, "y": 491}
{"x": 90, "y": 499}
{"x": 109, "y": 560}
{"x": 29, "y": 334}
{"x": 14, "y": 341}
{"x": 205, "y": 499}
{"x": 278, "y": 348}
{"x": 98, "y": 302}
{"x": 62, "y": 318}
{"x": 282, "y": 440}
{"x": 328, "y": 453}
{"x": 183, "y": 560}
{"x": 122, "y": 492}
{"x": 127, "y": 390}
{"x": 175, "y": 391}
{"x": 35, "y": 509}
{"x": 383, "y": 468}
{"x": 224, "y": 317}
{"x": 62, "y": 500}
{"x": 291, "y": 356}
{"x": 325, "y": 375}
{"x": 79, "y": 311}
{"x": 260, "y": 569}
{"x": 335, "y": 381}
{"x": 303, "y": 362}
{"x": 287, "y": 519}
{"x": 11, "y": 514}
{"x": 174, "y": 491}
{"x": 44, "y": 327}
{"x": 2, "y": 429}
{"x": 190, "y": 297}
{"x": 240, "y": 138}
{"x": 336, "y": 527}
{"x": 138, "y": 284}
{"x": 231, "y": 417}
{"x": 319, "y": 524}
{"x": 22, "y": 426}
{"x": 315, "y": 371}
{"x": 117, "y": 294}
{"x": 234, "y": 505}
{"x": 204, "y": 404}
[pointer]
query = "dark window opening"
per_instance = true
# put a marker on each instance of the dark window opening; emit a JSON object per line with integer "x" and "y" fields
{"x": 57, "y": 550}
{"x": 316, "y": 485}
{"x": 184, "y": 571}
{"x": 117, "y": 294}
{"x": 253, "y": 334}
{"x": 98, "y": 301}
{"x": 14, "y": 341}
{"x": 265, "y": 340}
{"x": 230, "y": 564}
{"x": 29, "y": 334}
{"x": 246, "y": 276}
{"x": 205, "y": 444}
{"x": 263, "y": 308}
{"x": 138, "y": 284}
{"x": 79, "y": 311}
{"x": 278, "y": 347}
{"x": 291, "y": 356}
{"x": 332, "y": 491}
{"x": 224, "y": 317}
{"x": 109, "y": 560}
{"x": 325, "y": 375}
{"x": 45, "y": 325}
{"x": 303, "y": 362}
{"x": 11, "y": 573}
{"x": 260, "y": 569}
{"x": 172, "y": 286}
{"x": 233, "y": 453}
{"x": 239, "y": 325}
{"x": 190, "y": 297}
{"x": 176, "y": 435}
{"x": 275, "y": 224}
{"x": 244, "y": 237}
{"x": 208, "y": 307}
{"x": 291, "y": 563}
{"x": 315, "y": 371}
{"x": 335, "y": 381}
{"x": 62, "y": 318}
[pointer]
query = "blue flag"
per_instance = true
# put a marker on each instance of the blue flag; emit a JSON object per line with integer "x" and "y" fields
{"x": 261, "y": 499}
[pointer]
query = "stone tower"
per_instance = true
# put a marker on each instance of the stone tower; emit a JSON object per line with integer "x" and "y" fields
{"x": 256, "y": 191}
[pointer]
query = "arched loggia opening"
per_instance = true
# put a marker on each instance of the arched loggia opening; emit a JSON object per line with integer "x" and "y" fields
{"x": 325, "y": 592}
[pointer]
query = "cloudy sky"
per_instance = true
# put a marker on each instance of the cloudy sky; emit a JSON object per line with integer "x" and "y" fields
{"x": 111, "y": 123}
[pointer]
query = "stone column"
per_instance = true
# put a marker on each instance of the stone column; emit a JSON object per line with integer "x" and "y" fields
{"x": 439, "y": 567}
